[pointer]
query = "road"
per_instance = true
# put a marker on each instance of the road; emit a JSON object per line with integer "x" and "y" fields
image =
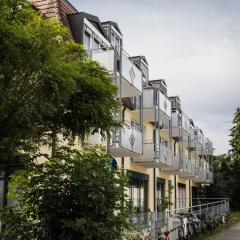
{"x": 232, "y": 233}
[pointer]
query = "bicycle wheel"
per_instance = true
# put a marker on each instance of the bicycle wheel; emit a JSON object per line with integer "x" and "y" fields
{"x": 190, "y": 232}
{"x": 181, "y": 233}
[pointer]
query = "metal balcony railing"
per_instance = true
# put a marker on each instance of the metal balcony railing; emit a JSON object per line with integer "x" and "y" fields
{"x": 155, "y": 104}
{"x": 155, "y": 154}
{"x": 132, "y": 79}
{"x": 194, "y": 171}
{"x": 181, "y": 121}
{"x": 104, "y": 57}
{"x": 127, "y": 141}
{"x": 210, "y": 176}
{"x": 186, "y": 164}
{"x": 181, "y": 165}
{"x": 204, "y": 175}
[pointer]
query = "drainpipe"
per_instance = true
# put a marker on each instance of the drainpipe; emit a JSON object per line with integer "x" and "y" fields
{"x": 123, "y": 116}
{"x": 154, "y": 190}
{"x": 190, "y": 194}
{"x": 175, "y": 190}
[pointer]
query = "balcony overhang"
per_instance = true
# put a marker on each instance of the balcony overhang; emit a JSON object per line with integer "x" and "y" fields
{"x": 179, "y": 167}
{"x": 118, "y": 151}
{"x": 128, "y": 89}
{"x": 127, "y": 141}
{"x": 154, "y": 159}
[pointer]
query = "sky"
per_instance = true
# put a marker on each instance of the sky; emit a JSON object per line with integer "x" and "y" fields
{"x": 194, "y": 45}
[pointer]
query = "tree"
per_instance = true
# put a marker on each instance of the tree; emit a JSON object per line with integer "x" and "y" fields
{"x": 48, "y": 85}
{"x": 222, "y": 168}
{"x": 73, "y": 195}
{"x": 235, "y": 135}
{"x": 227, "y": 169}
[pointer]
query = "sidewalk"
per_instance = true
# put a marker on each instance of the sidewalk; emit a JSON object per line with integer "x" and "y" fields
{"x": 232, "y": 233}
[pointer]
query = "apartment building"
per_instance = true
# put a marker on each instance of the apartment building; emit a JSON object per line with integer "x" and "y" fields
{"x": 165, "y": 155}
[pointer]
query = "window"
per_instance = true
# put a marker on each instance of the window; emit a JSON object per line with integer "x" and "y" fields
{"x": 138, "y": 190}
{"x": 116, "y": 43}
{"x": 87, "y": 40}
{"x": 106, "y": 30}
{"x": 160, "y": 194}
{"x": 144, "y": 79}
{"x": 173, "y": 104}
{"x": 181, "y": 196}
{"x": 112, "y": 39}
{"x": 95, "y": 44}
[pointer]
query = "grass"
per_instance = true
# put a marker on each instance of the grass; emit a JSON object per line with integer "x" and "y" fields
{"x": 234, "y": 218}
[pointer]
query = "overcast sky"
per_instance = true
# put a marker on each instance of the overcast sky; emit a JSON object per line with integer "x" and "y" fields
{"x": 194, "y": 45}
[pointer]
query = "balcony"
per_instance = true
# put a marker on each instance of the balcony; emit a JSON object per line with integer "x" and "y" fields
{"x": 180, "y": 126}
{"x": 154, "y": 155}
{"x": 181, "y": 166}
{"x": 127, "y": 141}
{"x": 194, "y": 171}
{"x": 202, "y": 176}
{"x": 155, "y": 104}
{"x": 132, "y": 80}
{"x": 104, "y": 57}
{"x": 208, "y": 147}
{"x": 210, "y": 177}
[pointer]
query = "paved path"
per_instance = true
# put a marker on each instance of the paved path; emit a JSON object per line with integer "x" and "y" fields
{"x": 232, "y": 233}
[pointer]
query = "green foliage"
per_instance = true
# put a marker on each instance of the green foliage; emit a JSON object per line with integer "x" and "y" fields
{"x": 227, "y": 169}
{"x": 48, "y": 85}
{"x": 74, "y": 195}
{"x": 235, "y": 135}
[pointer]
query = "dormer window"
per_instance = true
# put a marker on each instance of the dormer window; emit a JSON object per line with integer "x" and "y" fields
{"x": 96, "y": 44}
{"x": 116, "y": 43}
{"x": 173, "y": 103}
{"x": 87, "y": 40}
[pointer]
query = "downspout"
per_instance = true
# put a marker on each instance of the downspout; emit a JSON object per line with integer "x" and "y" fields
{"x": 190, "y": 194}
{"x": 175, "y": 190}
{"x": 123, "y": 116}
{"x": 154, "y": 190}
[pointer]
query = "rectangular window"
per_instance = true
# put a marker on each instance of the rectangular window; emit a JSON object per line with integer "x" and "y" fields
{"x": 95, "y": 44}
{"x": 117, "y": 44}
{"x": 87, "y": 40}
{"x": 113, "y": 40}
{"x": 181, "y": 196}
{"x": 160, "y": 195}
{"x": 138, "y": 190}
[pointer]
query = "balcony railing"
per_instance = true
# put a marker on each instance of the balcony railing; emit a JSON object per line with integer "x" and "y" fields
{"x": 180, "y": 130}
{"x": 210, "y": 177}
{"x": 204, "y": 176}
{"x": 132, "y": 81}
{"x": 104, "y": 57}
{"x": 155, "y": 103}
{"x": 127, "y": 141}
{"x": 194, "y": 171}
{"x": 181, "y": 166}
{"x": 155, "y": 154}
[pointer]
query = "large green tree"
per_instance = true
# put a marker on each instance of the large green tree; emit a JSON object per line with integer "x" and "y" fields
{"x": 235, "y": 135}
{"x": 74, "y": 195}
{"x": 48, "y": 85}
{"x": 227, "y": 169}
